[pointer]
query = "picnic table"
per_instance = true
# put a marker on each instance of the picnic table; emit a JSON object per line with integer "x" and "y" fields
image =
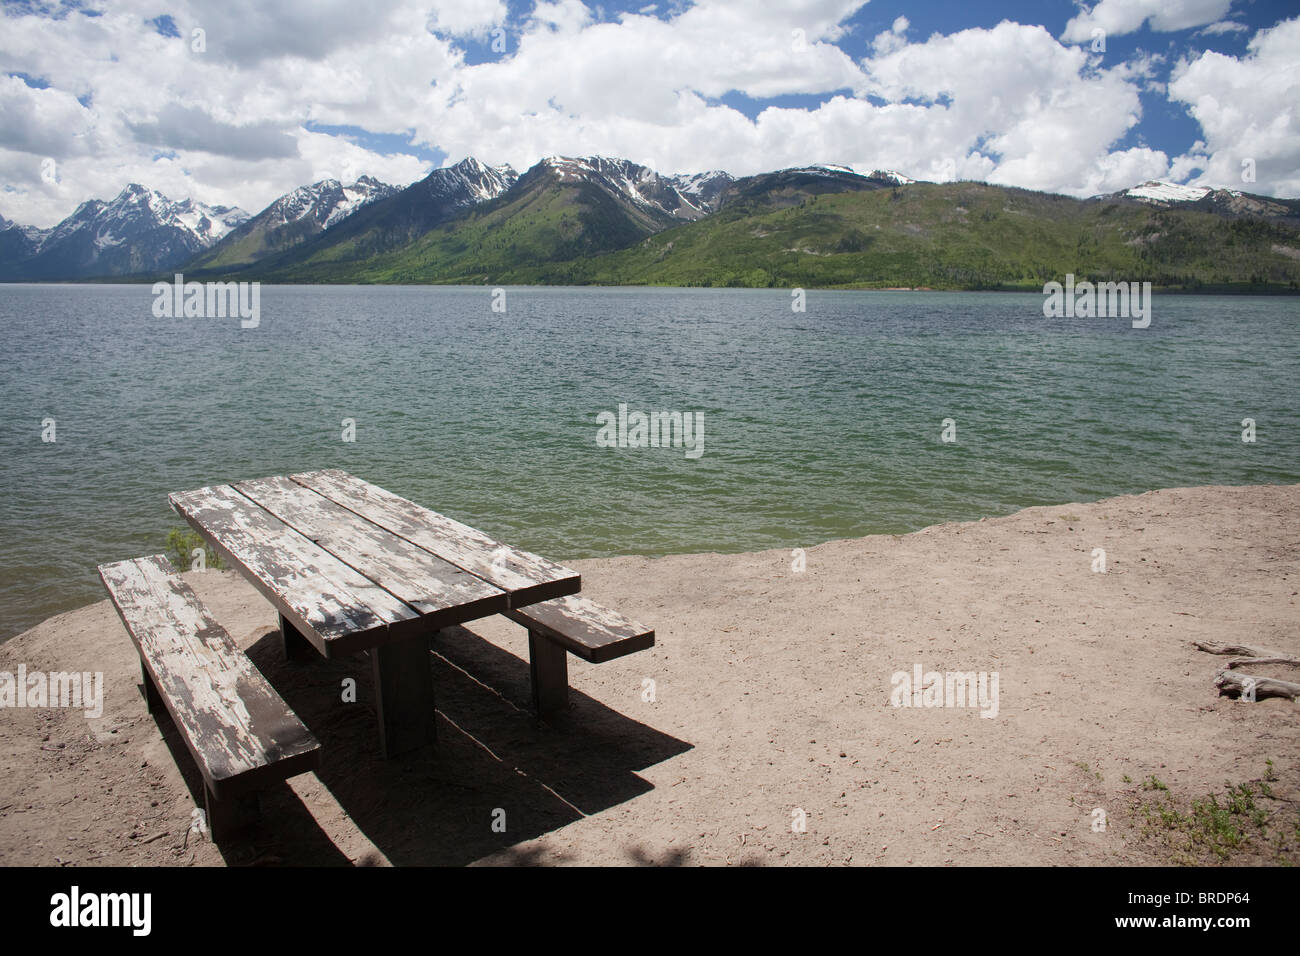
{"x": 353, "y": 568}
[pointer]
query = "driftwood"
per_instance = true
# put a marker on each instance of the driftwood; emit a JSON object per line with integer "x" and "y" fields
{"x": 1239, "y": 650}
{"x": 1243, "y": 661}
{"x": 1236, "y": 685}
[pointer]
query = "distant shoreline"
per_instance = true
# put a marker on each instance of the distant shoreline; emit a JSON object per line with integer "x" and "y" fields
{"x": 45, "y": 617}
{"x": 1242, "y": 289}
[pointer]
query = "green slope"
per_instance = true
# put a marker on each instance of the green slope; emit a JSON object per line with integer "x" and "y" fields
{"x": 922, "y": 235}
{"x": 540, "y": 226}
{"x": 251, "y": 242}
{"x": 957, "y": 236}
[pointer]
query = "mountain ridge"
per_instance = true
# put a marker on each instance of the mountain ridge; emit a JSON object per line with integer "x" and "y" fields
{"x": 137, "y": 231}
{"x": 591, "y": 219}
{"x": 398, "y": 218}
{"x": 291, "y": 219}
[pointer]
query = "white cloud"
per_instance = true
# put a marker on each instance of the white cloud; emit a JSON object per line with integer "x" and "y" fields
{"x": 224, "y": 125}
{"x": 1010, "y": 104}
{"x": 892, "y": 39}
{"x": 1016, "y": 102}
{"x": 640, "y": 87}
{"x": 467, "y": 17}
{"x": 1248, "y": 110}
{"x": 567, "y": 16}
{"x": 1223, "y": 26}
{"x": 45, "y": 122}
{"x": 1117, "y": 17}
{"x": 332, "y": 157}
{"x": 1144, "y": 68}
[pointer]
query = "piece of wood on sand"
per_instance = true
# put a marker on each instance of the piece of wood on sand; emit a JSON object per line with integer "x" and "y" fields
{"x": 1235, "y": 650}
{"x": 1234, "y": 684}
{"x": 1249, "y": 661}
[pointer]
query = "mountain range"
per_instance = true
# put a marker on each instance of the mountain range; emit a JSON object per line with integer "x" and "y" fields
{"x": 612, "y": 221}
{"x": 292, "y": 219}
{"x": 140, "y": 231}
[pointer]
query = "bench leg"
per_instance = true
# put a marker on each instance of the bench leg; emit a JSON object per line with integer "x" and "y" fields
{"x": 152, "y": 699}
{"x": 296, "y": 647}
{"x": 229, "y": 816}
{"x": 403, "y": 694}
{"x": 548, "y": 663}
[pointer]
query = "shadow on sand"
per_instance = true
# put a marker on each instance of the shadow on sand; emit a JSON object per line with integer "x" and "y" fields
{"x": 493, "y": 762}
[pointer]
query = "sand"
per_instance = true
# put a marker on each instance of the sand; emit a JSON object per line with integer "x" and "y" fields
{"x": 771, "y": 699}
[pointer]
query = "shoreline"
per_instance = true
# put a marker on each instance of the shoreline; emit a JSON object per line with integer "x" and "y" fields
{"x": 1248, "y": 289}
{"x": 773, "y": 693}
{"x": 46, "y": 617}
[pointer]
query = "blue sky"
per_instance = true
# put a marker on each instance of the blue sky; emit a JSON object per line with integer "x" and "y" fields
{"x": 239, "y": 101}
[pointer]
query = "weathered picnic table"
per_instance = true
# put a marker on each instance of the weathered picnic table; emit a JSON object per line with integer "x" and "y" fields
{"x": 353, "y": 568}
{"x": 350, "y": 568}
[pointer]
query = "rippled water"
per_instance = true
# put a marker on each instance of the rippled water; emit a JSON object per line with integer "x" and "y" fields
{"x": 818, "y": 425}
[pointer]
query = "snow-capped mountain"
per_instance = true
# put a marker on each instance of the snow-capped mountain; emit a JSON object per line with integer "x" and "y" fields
{"x": 1158, "y": 192}
{"x": 334, "y": 222}
{"x": 796, "y": 184}
{"x": 890, "y": 176}
{"x": 609, "y": 204}
{"x": 325, "y": 202}
{"x": 686, "y": 197}
{"x": 703, "y": 189}
{"x": 1227, "y": 202}
{"x": 838, "y": 170}
{"x": 468, "y": 183}
{"x": 18, "y": 242}
{"x": 295, "y": 217}
{"x": 137, "y": 208}
{"x": 140, "y": 230}
{"x": 32, "y": 234}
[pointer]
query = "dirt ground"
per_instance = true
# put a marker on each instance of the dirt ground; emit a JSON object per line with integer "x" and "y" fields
{"x": 765, "y": 703}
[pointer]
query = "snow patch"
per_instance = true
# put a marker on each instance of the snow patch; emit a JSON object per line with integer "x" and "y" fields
{"x": 1159, "y": 191}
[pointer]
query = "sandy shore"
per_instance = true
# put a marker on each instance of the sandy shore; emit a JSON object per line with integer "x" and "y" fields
{"x": 772, "y": 695}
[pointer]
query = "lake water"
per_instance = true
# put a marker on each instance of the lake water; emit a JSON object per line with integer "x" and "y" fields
{"x": 817, "y": 425}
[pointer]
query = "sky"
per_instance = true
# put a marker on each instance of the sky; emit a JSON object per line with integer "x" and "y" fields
{"x": 239, "y": 101}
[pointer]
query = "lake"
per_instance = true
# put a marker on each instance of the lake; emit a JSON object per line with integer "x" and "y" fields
{"x": 820, "y": 424}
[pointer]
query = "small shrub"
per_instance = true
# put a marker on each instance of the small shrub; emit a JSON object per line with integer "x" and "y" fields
{"x": 181, "y": 543}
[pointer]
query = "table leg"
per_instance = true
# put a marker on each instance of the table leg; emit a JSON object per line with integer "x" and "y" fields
{"x": 549, "y": 666}
{"x": 152, "y": 699}
{"x": 296, "y": 647}
{"x": 231, "y": 814}
{"x": 404, "y": 694}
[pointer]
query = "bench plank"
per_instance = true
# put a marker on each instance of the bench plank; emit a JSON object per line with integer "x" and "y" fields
{"x": 585, "y": 628}
{"x": 439, "y": 590}
{"x": 336, "y": 607}
{"x": 526, "y": 577}
{"x": 240, "y": 732}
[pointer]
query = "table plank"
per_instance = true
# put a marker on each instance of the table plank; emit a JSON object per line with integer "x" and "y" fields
{"x": 526, "y": 577}
{"x": 439, "y": 590}
{"x": 336, "y": 607}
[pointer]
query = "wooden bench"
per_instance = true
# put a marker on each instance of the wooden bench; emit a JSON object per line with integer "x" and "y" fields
{"x": 573, "y": 625}
{"x": 239, "y": 730}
